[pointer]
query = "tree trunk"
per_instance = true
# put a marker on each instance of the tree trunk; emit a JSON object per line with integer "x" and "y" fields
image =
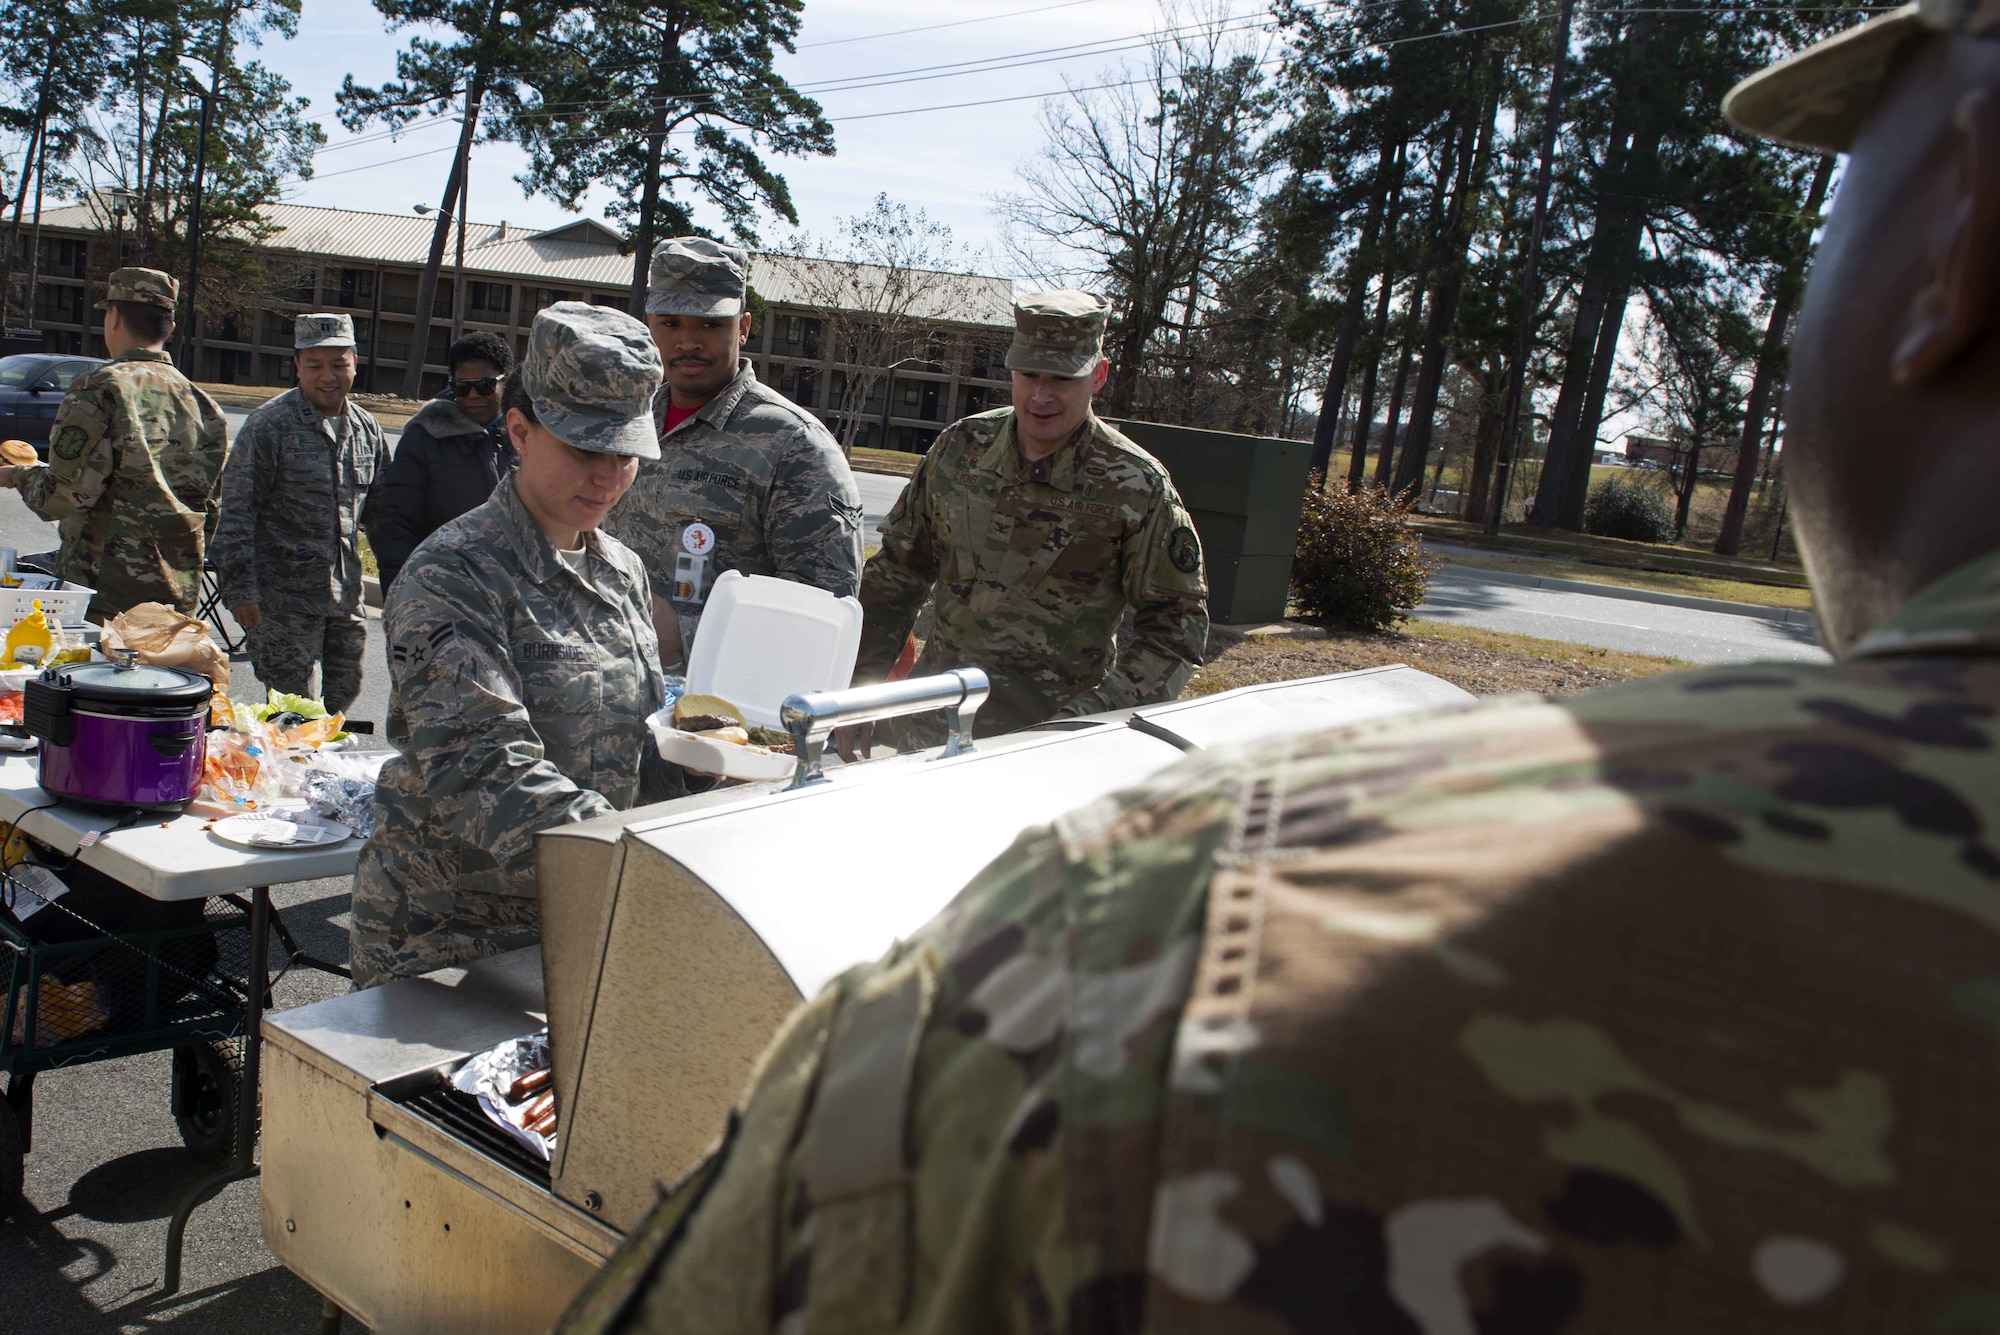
{"x": 1486, "y": 446}
{"x": 146, "y": 236}
{"x": 1334, "y": 397}
{"x": 1474, "y": 161}
{"x": 35, "y": 241}
{"x": 1769, "y": 357}
{"x": 656, "y": 152}
{"x": 30, "y": 162}
{"x": 1613, "y": 249}
{"x": 1388, "y": 454}
{"x": 1364, "y": 411}
{"x": 1575, "y": 489}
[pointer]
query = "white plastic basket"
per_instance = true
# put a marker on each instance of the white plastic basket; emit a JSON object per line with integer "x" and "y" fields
{"x": 64, "y": 601}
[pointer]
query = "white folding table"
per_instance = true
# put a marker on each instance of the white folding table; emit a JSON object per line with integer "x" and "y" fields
{"x": 176, "y": 859}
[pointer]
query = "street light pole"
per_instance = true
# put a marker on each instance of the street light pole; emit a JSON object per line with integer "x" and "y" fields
{"x": 1531, "y": 290}
{"x": 458, "y": 268}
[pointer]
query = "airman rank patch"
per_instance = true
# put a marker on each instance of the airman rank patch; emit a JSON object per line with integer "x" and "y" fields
{"x": 423, "y": 646}
{"x": 70, "y": 441}
{"x": 1184, "y": 550}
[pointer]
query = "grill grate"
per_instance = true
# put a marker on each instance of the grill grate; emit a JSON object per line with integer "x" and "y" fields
{"x": 460, "y": 1115}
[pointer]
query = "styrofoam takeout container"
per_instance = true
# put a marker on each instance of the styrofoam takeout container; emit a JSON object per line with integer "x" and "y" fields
{"x": 761, "y": 641}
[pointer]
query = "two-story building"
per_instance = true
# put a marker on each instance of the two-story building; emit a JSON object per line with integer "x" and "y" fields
{"x": 369, "y": 265}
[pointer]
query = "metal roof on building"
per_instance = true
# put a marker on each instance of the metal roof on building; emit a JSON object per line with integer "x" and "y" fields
{"x": 577, "y": 254}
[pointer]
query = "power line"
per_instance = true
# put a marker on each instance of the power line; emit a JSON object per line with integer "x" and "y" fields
{"x": 955, "y": 23}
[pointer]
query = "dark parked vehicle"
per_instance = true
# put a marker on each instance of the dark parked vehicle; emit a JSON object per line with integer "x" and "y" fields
{"x": 32, "y": 385}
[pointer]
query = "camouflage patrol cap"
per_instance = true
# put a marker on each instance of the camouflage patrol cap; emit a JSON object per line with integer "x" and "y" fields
{"x": 692, "y": 275}
{"x": 323, "y": 331}
{"x": 148, "y": 287}
{"x": 1819, "y": 97}
{"x": 592, "y": 373}
{"x": 1058, "y": 333}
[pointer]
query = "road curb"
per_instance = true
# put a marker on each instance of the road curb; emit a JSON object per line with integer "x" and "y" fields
{"x": 1790, "y": 616}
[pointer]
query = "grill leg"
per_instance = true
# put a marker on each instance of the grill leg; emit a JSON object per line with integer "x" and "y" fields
{"x": 21, "y": 1093}
{"x": 329, "y": 1317}
{"x": 244, "y": 1164}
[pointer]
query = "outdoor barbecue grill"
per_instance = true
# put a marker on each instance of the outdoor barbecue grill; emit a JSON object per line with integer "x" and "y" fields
{"x": 675, "y": 940}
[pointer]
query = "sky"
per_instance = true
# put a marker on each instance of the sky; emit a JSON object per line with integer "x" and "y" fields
{"x": 949, "y": 163}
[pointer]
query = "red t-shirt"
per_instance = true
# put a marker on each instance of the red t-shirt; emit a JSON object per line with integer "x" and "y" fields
{"x": 675, "y": 416}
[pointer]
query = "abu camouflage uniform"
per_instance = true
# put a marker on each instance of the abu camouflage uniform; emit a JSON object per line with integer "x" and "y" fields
{"x": 522, "y": 691}
{"x": 134, "y": 472}
{"x": 135, "y": 456}
{"x": 1672, "y": 1007}
{"x": 288, "y": 539}
{"x": 760, "y": 472}
{"x": 521, "y": 687}
{"x": 1033, "y": 565}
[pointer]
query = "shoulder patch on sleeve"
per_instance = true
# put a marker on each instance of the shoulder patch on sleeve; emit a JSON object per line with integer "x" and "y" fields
{"x": 70, "y": 442}
{"x": 1184, "y": 550}
{"x": 416, "y": 648}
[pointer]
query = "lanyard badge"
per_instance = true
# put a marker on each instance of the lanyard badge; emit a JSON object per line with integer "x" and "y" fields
{"x": 691, "y": 563}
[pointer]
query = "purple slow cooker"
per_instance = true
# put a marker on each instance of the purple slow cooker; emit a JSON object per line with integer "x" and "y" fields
{"x": 119, "y": 735}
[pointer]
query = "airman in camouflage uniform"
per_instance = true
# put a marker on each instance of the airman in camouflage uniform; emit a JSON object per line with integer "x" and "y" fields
{"x": 135, "y": 463}
{"x": 1034, "y": 561}
{"x": 1673, "y": 1007}
{"x": 288, "y": 541}
{"x": 747, "y": 480}
{"x": 522, "y": 682}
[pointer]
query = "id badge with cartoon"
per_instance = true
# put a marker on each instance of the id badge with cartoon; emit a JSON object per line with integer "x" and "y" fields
{"x": 691, "y": 563}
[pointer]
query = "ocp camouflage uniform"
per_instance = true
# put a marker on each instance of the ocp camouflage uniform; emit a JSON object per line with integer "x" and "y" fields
{"x": 1033, "y": 566}
{"x": 522, "y": 691}
{"x": 288, "y": 541}
{"x": 765, "y": 476}
{"x": 135, "y": 463}
{"x": 1672, "y": 1007}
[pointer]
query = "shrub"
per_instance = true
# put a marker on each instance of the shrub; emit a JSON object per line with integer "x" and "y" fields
{"x": 1359, "y": 564}
{"x": 1627, "y": 508}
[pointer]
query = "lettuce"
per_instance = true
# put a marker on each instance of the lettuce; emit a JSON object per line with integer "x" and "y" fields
{"x": 277, "y": 702}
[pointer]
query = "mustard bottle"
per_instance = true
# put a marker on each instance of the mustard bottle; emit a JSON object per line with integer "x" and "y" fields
{"x": 31, "y": 640}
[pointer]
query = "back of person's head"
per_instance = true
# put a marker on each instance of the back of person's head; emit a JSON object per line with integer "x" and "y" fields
{"x": 148, "y": 323}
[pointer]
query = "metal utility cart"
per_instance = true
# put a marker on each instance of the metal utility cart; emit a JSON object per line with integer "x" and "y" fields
{"x": 192, "y": 975}
{"x": 675, "y": 939}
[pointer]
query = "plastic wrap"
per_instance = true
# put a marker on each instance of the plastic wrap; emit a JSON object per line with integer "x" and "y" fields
{"x": 341, "y": 786}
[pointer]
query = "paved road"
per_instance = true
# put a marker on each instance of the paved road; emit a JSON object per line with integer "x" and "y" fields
{"x": 1463, "y": 595}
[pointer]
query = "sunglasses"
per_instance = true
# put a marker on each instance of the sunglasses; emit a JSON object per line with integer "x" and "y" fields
{"x": 486, "y": 386}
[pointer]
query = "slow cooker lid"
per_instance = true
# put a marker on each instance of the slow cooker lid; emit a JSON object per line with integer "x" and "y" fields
{"x": 142, "y": 684}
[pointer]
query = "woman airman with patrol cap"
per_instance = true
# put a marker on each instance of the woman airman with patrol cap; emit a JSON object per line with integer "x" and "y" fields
{"x": 524, "y": 662}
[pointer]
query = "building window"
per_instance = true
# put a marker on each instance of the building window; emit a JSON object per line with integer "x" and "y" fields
{"x": 493, "y": 298}
{"x": 803, "y": 396}
{"x": 357, "y": 287}
{"x": 912, "y": 393}
{"x": 793, "y": 327}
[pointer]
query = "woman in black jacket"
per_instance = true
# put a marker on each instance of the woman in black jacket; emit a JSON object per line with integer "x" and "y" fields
{"x": 452, "y": 454}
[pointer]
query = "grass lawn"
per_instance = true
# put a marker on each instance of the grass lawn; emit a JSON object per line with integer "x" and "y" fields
{"x": 390, "y": 412}
{"x": 885, "y": 461}
{"x": 1484, "y": 662}
{"x": 1663, "y": 581}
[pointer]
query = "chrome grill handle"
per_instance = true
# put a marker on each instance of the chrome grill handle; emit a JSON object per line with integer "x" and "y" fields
{"x": 811, "y": 718}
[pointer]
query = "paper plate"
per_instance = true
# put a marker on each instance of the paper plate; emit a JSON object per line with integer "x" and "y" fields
{"x": 269, "y": 829}
{"x": 697, "y": 752}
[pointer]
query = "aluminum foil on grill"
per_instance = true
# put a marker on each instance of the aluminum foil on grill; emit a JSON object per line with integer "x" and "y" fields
{"x": 490, "y": 1075}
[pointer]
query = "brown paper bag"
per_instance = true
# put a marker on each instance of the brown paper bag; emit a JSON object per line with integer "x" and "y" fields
{"x": 164, "y": 637}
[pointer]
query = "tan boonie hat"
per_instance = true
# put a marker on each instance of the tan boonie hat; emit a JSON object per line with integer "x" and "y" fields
{"x": 323, "y": 331}
{"x": 148, "y": 287}
{"x": 591, "y": 373}
{"x": 1818, "y": 97}
{"x": 692, "y": 275}
{"x": 1058, "y": 333}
